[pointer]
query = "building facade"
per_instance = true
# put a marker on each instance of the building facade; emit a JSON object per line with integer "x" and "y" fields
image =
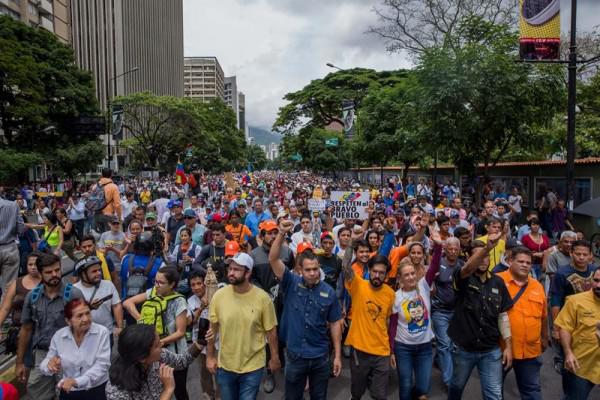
{"x": 203, "y": 78}
{"x": 129, "y": 46}
{"x": 231, "y": 96}
{"x": 242, "y": 114}
{"x": 52, "y": 15}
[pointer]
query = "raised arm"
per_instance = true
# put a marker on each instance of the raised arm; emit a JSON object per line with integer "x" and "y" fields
{"x": 347, "y": 264}
{"x": 478, "y": 255}
{"x": 277, "y": 266}
{"x": 436, "y": 259}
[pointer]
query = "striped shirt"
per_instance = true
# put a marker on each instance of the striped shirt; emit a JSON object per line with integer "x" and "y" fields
{"x": 11, "y": 223}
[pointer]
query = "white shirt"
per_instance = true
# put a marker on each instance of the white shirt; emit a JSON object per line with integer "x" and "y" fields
{"x": 103, "y": 315}
{"x": 300, "y": 237}
{"x": 127, "y": 207}
{"x": 77, "y": 210}
{"x": 88, "y": 364}
{"x": 414, "y": 315}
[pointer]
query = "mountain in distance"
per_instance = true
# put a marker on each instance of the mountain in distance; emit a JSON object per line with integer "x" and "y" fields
{"x": 263, "y": 136}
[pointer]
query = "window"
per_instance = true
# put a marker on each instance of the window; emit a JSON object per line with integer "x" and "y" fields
{"x": 583, "y": 188}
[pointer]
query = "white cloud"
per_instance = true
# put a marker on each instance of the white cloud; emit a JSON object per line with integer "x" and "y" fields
{"x": 278, "y": 46}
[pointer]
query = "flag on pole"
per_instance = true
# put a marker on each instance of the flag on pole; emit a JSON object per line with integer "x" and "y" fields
{"x": 180, "y": 174}
{"x": 540, "y": 29}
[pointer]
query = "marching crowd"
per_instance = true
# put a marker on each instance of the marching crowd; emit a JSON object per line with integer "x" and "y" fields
{"x": 241, "y": 274}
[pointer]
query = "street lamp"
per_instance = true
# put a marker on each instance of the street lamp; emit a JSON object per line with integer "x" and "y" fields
{"x": 330, "y": 65}
{"x": 109, "y": 113}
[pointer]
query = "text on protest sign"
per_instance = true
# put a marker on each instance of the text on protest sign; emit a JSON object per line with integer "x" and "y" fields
{"x": 350, "y": 204}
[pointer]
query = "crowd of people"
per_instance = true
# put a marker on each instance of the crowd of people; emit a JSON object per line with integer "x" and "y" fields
{"x": 242, "y": 274}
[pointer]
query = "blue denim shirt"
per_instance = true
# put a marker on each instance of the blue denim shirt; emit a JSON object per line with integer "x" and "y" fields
{"x": 306, "y": 314}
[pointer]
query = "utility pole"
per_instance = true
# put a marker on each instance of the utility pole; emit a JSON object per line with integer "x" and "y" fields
{"x": 572, "y": 102}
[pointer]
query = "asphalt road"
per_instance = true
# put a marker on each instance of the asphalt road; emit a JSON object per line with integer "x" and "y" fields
{"x": 339, "y": 388}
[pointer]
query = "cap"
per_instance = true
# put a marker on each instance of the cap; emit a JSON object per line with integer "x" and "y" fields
{"x": 188, "y": 212}
{"x": 454, "y": 214}
{"x": 242, "y": 259}
{"x": 241, "y": 202}
{"x": 282, "y": 214}
{"x": 231, "y": 248}
{"x": 409, "y": 198}
{"x": 302, "y": 246}
{"x": 173, "y": 203}
{"x": 268, "y": 225}
{"x": 327, "y": 235}
{"x": 216, "y": 218}
{"x": 151, "y": 215}
{"x": 112, "y": 219}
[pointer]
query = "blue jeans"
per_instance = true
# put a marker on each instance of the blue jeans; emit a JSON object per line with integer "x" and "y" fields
{"x": 527, "y": 372}
{"x": 578, "y": 388}
{"x": 298, "y": 369}
{"x": 489, "y": 365}
{"x": 417, "y": 359}
{"x": 443, "y": 350}
{"x": 236, "y": 386}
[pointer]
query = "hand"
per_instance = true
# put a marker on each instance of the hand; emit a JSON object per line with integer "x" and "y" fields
{"x": 210, "y": 336}
{"x": 337, "y": 366}
{"x": 211, "y": 364}
{"x": 117, "y": 331}
{"x": 21, "y": 372}
{"x": 166, "y": 377}
{"x": 493, "y": 239}
{"x": 571, "y": 362}
{"x": 274, "y": 364}
{"x": 388, "y": 223}
{"x": 285, "y": 226}
{"x": 54, "y": 365}
{"x": 393, "y": 361}
{"x": 437, "y": 239}
{"x": 507, "y": 358}
{"x": 67, "y": 384}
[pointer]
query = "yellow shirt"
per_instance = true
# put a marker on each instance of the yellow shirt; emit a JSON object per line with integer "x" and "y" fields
{"x": 145, "y": 196}
{"x": 579, "y": 317}
{"x": 496, "y": 252}
{"x": 370, "y": 312}
{"x": 243, "y": 321}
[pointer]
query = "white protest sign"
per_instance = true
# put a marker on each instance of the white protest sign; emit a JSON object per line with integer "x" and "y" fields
{"x": 350, "y": 204}
{"x": 317, "y": 204}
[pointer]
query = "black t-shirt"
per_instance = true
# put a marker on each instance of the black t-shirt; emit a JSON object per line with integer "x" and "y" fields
{"x": 444, "y": 297}
{"x": 474, "y": 324}
{"x": 331, "y": 266}
{"x": 173, "y": 226}
{"x": 216, "y": 257}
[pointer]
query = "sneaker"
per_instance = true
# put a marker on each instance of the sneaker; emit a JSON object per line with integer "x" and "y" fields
{"x": 269, "y": 383}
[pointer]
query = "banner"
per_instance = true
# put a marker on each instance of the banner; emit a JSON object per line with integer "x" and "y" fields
{"x": 350, "y": 204}
{"x": 117, "y": 122}
{"x": 317, "y": 204}
{"x": 348, "y": 117}
{"x": 540, "y": 29}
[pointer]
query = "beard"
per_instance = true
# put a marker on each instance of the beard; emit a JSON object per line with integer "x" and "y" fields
{"x": 597, "y": 292}
{"x": 53, "y": 282}
{"x": 236, "y": 281}
{"x": 376, "y": 282}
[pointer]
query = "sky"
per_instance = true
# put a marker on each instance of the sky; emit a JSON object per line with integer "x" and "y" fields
{"x": 278, "y": 46}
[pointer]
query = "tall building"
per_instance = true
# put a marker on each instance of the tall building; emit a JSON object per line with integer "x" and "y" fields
{"x": 129, "y": 46}
{"x": 52, "y": 15}
{"x": 203, "y": 78}
{"x": 231, "y": 96}
{"x": 242, "y": 113}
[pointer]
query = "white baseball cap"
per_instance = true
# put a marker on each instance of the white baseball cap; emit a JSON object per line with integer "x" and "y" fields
{"x": 242, "y": 259}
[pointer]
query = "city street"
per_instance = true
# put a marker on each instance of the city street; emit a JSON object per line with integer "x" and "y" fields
{"x": 339, "y": 388}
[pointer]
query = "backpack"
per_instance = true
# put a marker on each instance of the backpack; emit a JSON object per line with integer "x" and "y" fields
{"x": 138, "y": 278}
{"x": 96, "y": 202}
{"x": 154, "y": 309}
{"x": 36, "y": 292}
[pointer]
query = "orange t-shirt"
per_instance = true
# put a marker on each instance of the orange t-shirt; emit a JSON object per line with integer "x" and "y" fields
{"x": 371, "y": 309}
{"x": 238, "y": 233}
{"x": 526, "y": 317}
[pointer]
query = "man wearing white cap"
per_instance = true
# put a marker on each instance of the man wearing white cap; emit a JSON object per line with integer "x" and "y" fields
{"x": 243, "y": 316}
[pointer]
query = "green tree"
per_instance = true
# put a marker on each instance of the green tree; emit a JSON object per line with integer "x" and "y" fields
{"x": 319, "y": 103}
{"x": 41, "y": 89}
{"x": 256, "y": 157}
{"x": 15, "y": 164}
{"x": 476, "y": 102}
{"x": 72, "y": 160}
{"x": 163, "y": 127}
{"x": 311, "y": 144}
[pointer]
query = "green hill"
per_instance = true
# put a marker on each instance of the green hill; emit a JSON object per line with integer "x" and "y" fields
{"x": 263, "y": 136}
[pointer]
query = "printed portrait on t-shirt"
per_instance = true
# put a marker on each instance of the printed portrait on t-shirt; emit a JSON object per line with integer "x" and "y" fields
{"x": 416, "y": 315}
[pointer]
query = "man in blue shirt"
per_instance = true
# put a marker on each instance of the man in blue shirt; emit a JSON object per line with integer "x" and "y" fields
{"x": 257, "y": 216}
{"x": 311, "y": 313}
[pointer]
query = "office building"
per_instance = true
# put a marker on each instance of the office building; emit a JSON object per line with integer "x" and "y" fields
{"x": 52, "y": 15}
{"x": 231, "y": 96}
{"x": 129, "y": 46}
{"x": 203, "y": 78}
{"x": 242, "y": 113}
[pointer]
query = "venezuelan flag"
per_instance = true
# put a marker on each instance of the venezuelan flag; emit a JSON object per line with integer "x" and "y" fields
{"x": 180, "y": 177}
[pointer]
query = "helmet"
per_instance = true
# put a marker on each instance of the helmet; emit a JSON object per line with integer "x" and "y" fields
{"x": 86, "y": 262}
{"x": 143, "y": 243}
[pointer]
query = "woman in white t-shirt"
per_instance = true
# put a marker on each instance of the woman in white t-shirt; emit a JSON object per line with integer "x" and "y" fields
{"x": 411, "y": 330}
